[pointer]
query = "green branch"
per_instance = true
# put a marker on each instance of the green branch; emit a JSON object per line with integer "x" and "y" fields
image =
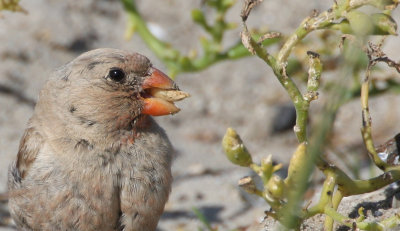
{"x": 342, "y": 16}
{"x": 212, "y": 52}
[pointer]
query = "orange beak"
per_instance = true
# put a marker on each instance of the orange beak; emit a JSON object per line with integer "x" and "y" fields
{"x": 160, "y": 94}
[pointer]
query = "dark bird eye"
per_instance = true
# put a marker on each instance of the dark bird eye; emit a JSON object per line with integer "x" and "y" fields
{"x": 116, "y": 74}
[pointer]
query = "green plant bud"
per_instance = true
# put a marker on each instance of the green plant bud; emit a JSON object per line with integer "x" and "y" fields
{"x": 267, "y": 168}
{"x": 275, "y": 187}
{"x": 267, "y": 162}
{"x": 235, "y": 150}
{"x": 198, "y": 16}
{"x": 297, "y": 161}
{"x": 384, "y": 24}
{"x": 360, "y": 23}
{"x": 314, "y": 72}
{"x": 228, "y": 3}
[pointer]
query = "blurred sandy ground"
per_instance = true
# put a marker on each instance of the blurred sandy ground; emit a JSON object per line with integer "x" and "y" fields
{"x": 242, "y": 94}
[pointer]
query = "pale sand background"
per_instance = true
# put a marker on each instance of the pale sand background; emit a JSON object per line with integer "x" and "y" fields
{"x": 242, "y": 94}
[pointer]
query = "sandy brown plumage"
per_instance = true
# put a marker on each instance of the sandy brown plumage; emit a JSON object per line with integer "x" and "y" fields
{"x": 92, "y": 158}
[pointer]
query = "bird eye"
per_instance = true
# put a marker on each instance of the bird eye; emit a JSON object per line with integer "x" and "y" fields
{"x": 116, "y": 74}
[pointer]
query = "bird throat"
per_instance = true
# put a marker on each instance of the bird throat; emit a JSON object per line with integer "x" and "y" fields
{"x": 133, "y": 131}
